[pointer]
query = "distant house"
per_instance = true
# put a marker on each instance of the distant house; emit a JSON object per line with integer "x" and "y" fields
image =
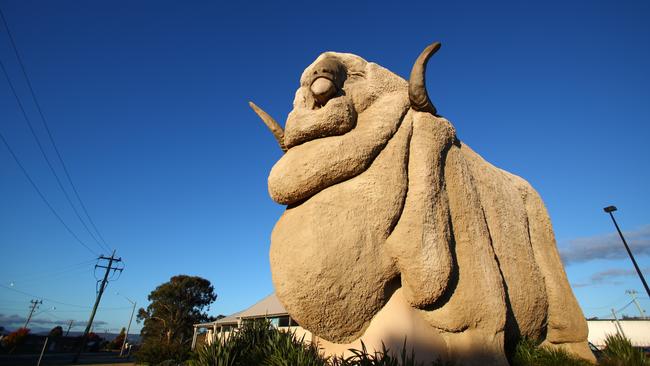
{"x": 637, "y": 330}
{"x": 268, "y": 308}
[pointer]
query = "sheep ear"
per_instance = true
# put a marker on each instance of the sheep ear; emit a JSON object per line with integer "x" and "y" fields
{"x": 421, "y": 241}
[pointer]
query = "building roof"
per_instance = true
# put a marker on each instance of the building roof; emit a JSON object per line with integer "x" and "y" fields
{"x": 230, "y": 319}
{"x": 268, "y": 306}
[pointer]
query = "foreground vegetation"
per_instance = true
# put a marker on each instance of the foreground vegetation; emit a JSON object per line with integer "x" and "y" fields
{"x": 528, "y": 353}
{"x": 619, "y": 352}
{"x": 258, "y": 343}
{"x": 174, "y": 307}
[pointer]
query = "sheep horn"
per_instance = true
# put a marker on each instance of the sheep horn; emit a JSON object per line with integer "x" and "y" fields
{"x": 275, "y": 128}
{"x": 417, "y": 87}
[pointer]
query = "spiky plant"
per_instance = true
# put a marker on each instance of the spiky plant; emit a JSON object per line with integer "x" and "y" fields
{"x": 285, "y": 349}
{"x": 259, "y": 343}
{"x": 620, "y": 352}
{"x": 251, "y": 341}
{"x": 384, "y": 357}
{"x": 218, "y": 353}
{"x": 528, "y": 353}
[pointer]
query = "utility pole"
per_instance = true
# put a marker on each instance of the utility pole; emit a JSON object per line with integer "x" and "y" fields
{"x": 34, "y": 306}
{"x": 619, "y": 328}
{"x": 108, "y": 268}
{"x": 128, "y": 327}
{"x": 40, "y": 358}
{"x": 633, "y": 293}
{"x": 609, "y": 210}
{"x": 69, "y": 326}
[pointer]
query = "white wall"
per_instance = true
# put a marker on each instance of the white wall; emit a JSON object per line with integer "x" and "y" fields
{"x": 638, "y": 331}
{"x": 300, "y": 332}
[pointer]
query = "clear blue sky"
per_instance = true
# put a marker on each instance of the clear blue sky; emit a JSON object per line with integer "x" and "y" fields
{"x": 147, "y": 101}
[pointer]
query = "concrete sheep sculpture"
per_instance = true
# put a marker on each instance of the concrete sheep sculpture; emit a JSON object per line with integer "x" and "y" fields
{"x": 394, "y": 228}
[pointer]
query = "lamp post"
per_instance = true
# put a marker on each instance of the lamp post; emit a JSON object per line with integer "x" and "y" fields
{"x": 129, "y": 326}
{"x": 609, "y": 210}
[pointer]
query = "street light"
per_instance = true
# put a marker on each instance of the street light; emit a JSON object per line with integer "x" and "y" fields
{"x": 129, "y": 326}
{"x": 609, "y": 210}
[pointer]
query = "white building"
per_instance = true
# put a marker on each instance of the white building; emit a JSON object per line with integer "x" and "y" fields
{"x": 636, "y": 330}
{"x": 268, "y": 308}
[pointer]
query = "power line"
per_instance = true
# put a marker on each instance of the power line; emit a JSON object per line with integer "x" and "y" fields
{"x": 112, "y": 259}
{"x": 53, "y": 276}
{"x": 47, "y": 203}
{"x": 633, "y": 294}
{"x": 33, "y": 306}
{"x": 56, "y": 316}
{"x": 607, "y": 306}
{"x": 44, "y": 298}
{"x": 624, "y": 307}
{"x": 13, "y": 309}
{"x": 85, "y": 309}
{"x": 619, "y": 310}
{"x": 51, "y": 138}
{"x": 40, "y": 147}
{"x": 61, "y": 269}
{"x": 60, "y": 302}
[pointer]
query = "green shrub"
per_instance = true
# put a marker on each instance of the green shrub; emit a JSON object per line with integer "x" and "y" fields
{"x": 528, "y": 353}
{"x": 219, "y": 353}
{"x": 259, "y": 343}
{"x": 383, "y": 358}
{"x": 117, "y": 342}
{"x": 252, "y": 341}
{"x": 619, "y": 352}
{"x": 161, "y": 353}
{"x": 285, "y": 349}
{"x": 15, "y": 339}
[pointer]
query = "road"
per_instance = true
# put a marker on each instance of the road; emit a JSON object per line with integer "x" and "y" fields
{"x": 94, "y": 358}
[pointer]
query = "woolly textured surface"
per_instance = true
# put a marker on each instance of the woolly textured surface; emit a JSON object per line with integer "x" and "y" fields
{"x": 387, "y": 206}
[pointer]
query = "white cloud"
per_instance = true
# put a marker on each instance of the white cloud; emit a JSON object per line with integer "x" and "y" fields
{"x": 608, "y": 276}
{"x": 17, "y": 321}
{"x": 607, "y": 246}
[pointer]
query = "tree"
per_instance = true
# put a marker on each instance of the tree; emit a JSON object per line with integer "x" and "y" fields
{"x": 56, "y": 332}
{"x": 175, "y": 306}
{"x": 15, "y": 339}
{"x": 117, "y": 342}
{"x": 94, "y": 342}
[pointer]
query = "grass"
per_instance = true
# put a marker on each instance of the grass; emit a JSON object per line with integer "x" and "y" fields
{"x": 259, "y": 343}
{"x": 619, "y": 352}
{"x": 382, "y": 358}
{"x": 528, "y": 353}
